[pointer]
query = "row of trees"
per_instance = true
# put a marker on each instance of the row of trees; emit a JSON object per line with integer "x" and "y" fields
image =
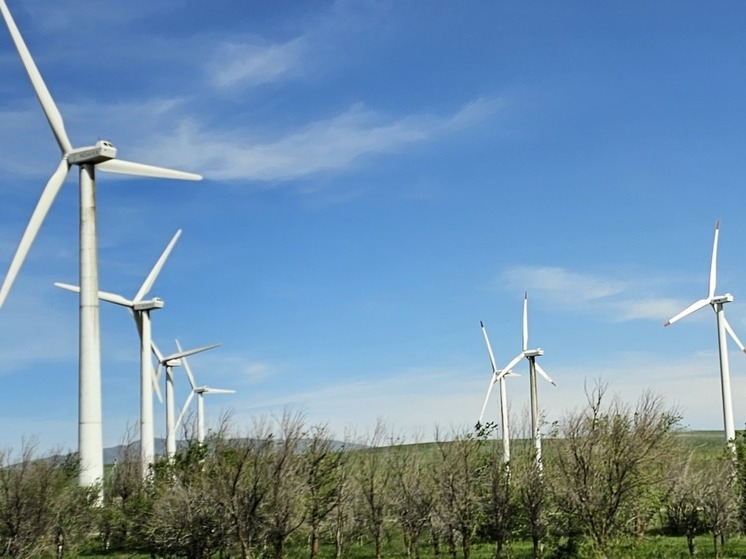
{"x": 612, "y": 473}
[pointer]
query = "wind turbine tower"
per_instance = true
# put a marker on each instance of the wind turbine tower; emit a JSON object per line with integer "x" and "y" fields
{"x": 140, "y": 309}
{"x": 200, "y": 391}
{"x": 723, "y": 327}
{"x": 102, "y": 155}
{"x": 534, "y": 367}
{"x": 168, "y": 363}
{"x": 498, "y": 377}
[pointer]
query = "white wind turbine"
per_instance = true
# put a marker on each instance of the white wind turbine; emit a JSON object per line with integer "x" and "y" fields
{"x": 140, "y": 308}
{"x": 534, "y": 367}
{"x": 717, "y": 302}
{"x": 200, "y": 391}
{"x": 168, "y": 362}
{"x": 102, "y": 155}
{"x": 498, "y": 377}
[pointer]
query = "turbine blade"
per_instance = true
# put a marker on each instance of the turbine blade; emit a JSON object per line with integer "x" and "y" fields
{"x": 187, "y": 367}
{"x": 507, "y": 369}
{"x": 209, "y": 390}
{"x": 154, "y": 379}
{"x": 543, "y": 373}
{"x": 487, "y": 398}
{"x": 183, "y": 410}
{"x": 148, "y": 283}
{"x": 158, "y": 354}
{"x": 122, "y": 167}
{"x": 156, "y": 387}
{"x": 489, "y": 348}
{"x": 497, "y": 377}
{"x": 694, "y": 307}
{"x": 732, "y": 334}
{"x": 189, "y": 352}
{"x": 42, "y": 93}
{"x": 37, "y": 218}
{"x": 103, "y": 295}
{"x": 714, "y": 262}
{"x": 525, "y": 320}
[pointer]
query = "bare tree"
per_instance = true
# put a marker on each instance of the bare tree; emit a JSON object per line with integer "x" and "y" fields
{"x": 286, "y": 492}
{"x": 720, "y": 500}
{"x": 124, "y": 497}
{"x": 373, "y": 476}
{"x": 187, "y": 520}
{"x": 608, "y": 459}
{"x": 461, "y": 469}
{"x": 413, "y": 497}
{"x": 35, "y": 495}
{"x": 684, "y": 504}
{"x": 324, "y": 465}
{"x": 241, "y": 473}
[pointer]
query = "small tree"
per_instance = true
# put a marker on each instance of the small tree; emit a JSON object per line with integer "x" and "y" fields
{"x": 324, "y": 477}
{"x": 720, "y": 500}
{"x": 684, "y": 505}
{"x": 373, "y": 477}
{"x": 460, "y": 475}
{"x": 412, "y": 499}
{"x": 608, "y": 460}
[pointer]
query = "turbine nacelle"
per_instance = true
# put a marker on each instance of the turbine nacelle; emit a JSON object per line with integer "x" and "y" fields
{"x": 102, "y": 151}
{"x": 154, "y": 303}
{"x": 533, "y": 352}
{"x": 720, "y": 299}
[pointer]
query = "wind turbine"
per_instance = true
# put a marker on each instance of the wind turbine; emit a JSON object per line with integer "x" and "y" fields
{"x": 717, "y": 302}
{"x": 498, "y": 377}
{"x": 534, "y": 367}
{"x": 140, "y": 310}
{"x": 200, "y": 391}
{"x": 168, "y": 362}
{"x": 102, "y": 155}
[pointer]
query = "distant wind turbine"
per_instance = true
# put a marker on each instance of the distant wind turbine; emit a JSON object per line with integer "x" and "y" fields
{"x": 534, "y": 367}
{"x": 88, "y": 158}
{"x": 499, "y": 377}
{"x": 168, "y": 362}
{"x": 200, "y": 391}
{"x": 717, "y": 302}
{"x": 140, "y": 308}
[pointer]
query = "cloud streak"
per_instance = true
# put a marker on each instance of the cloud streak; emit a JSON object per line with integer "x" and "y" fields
{"x": 249, "y": 64}
{"x": 619, "y": 300}
{"x": 331, "y": 144}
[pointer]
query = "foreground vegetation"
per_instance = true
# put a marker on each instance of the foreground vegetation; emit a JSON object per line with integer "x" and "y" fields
{"x": 616, "y": 480}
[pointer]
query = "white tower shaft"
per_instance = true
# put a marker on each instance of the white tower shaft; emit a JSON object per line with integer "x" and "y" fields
{"x": 170, "y": 425}
{"x": 201, "y": 418}
{"x": 535, "y": 427}
{"x": 730, "y": 432}
{"x": 90, "y": 433}
{"x": 504, "y": 420}
{"x": 147, "y": 444}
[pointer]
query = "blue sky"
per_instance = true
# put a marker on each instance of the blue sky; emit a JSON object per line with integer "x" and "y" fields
{"x": 381, "y": 176}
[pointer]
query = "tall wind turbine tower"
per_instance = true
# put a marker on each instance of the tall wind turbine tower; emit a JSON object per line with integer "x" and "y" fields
{"x": 168, "y": 362}
{"x": 140, "y": 309}
{"x": 498, "y": 377}
{"x": 534, "y": 367}
{"x": 723, "y": 327}
{"x": 200, "y": 391}
{"x": 102, "y": 155}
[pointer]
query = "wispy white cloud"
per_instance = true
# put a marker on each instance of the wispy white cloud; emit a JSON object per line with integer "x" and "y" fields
{"x": 331, "y": 144}
{"x": 249, "y": 64}
{"x": 561, "y": 284}
{"x": 618, "y": 299}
